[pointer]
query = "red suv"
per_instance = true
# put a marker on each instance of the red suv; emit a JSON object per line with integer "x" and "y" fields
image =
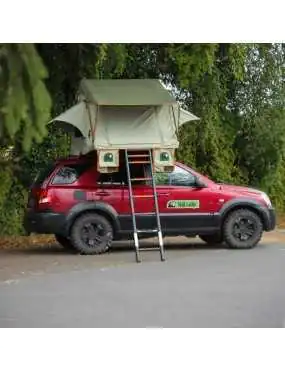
{"x": 87, "y": 210}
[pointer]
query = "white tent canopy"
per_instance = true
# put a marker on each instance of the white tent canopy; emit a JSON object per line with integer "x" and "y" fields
{"x": 119, "y": 114}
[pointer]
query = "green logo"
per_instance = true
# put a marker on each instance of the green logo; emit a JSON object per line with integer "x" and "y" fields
{"x": 183, "y": 204}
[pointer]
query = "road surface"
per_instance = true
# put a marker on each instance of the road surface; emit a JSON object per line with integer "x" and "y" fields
{"x": 197, "y": 286}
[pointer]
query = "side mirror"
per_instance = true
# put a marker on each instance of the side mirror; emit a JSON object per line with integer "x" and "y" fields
{"x": 199, "y": 183}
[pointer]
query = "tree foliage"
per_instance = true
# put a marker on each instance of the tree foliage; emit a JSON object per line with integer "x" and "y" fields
{"x": 24, "y": 100}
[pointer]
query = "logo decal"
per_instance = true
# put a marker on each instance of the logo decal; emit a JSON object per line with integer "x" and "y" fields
{"x": 183, "y": 204}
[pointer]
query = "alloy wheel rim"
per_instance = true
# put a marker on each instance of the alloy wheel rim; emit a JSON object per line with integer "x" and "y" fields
{"x": 93, "y": 234}
{"x": 244, "y": 229}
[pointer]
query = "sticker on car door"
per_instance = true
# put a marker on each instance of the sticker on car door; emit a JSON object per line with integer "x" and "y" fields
{"x": 183, "y": 204}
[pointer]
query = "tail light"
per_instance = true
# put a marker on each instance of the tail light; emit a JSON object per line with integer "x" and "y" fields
{"x": 39, "y": 198}
{"x": 43, "y": 197}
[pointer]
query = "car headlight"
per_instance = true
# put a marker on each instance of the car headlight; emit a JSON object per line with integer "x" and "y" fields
{"x": 266, "y": 200}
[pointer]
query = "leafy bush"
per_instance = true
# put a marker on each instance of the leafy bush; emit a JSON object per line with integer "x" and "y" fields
{"x": 13, "y": 199}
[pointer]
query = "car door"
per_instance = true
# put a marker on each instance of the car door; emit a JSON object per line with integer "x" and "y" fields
{"x": 109, "y": 189}
{"x": 184, "y": 207}
{"x": 142, "y": 198}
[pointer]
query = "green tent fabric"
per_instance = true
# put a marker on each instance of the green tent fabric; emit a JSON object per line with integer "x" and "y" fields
{"x": 132, "y": 92}
{"x": 124, "y": 114}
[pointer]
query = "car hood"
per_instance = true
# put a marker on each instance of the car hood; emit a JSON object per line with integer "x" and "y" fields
{"x": 240, "y": 189}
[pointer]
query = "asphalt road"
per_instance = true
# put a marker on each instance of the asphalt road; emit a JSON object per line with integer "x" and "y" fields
{"x": 195, "y": 287}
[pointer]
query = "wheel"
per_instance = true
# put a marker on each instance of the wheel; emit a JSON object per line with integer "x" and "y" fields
{"x": 91, "y": 234}
{"x": 212, "y": 239}
{"x": 242, "y": 229}
{"x": 64, "y": 242}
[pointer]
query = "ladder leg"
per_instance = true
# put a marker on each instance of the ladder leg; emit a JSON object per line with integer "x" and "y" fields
{"x": 160, "y": 237}
{"x": 161, "y": 247}
{"x": 136, "y": 240}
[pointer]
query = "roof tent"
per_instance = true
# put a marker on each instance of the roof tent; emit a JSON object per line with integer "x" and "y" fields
{"x": 124, "y": 114}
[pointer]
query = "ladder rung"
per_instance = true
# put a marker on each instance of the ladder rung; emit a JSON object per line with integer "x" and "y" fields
{"x": 152, "y": 213}
{"x": 141, "y": 178}
{"x": 133, "y": 156}
{"x": 139, "y": 162}
{"x": 149, "y": 248}
{"x": 143, "y": 196}
{"x": 147, "y": 230}
{"x": 137, "y": 150}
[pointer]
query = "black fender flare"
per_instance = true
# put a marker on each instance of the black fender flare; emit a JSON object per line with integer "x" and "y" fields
{"x": 100, "y": 207}
{"x": 240, "y": 203}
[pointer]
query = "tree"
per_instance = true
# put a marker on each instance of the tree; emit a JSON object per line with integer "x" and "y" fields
{"x": 24, "y": 100}
{"x": 260, "y": 99}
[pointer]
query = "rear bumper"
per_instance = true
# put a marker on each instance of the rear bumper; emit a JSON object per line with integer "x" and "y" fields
{"x": 44, "y": 222}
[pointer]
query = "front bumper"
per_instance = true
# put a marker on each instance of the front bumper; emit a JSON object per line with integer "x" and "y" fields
{"x": 270, "y": 222}
{"x": 44, "y": 222}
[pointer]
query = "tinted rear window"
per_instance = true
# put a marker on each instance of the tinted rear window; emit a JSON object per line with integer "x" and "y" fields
{"x": 69, "y": 174}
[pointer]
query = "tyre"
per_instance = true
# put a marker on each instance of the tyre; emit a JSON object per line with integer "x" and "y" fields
{"x": 212, "y": 239}
{"x": 91, "y": 234}
{"x": 242, "y": 229}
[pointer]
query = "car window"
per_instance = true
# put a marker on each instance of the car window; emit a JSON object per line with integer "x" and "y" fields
{"x": 179, "y": 177}
{"x": 112, "y": 178}
{"x": 161, "y": 178}
{"x": 137, "y": 171}
{"x": 43, "y": 174}
{"x": 69, "y": 174}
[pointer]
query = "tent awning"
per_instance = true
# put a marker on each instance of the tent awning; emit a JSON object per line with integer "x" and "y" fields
{"x": 186, "y": 116}
{"x": 77, "y": 116}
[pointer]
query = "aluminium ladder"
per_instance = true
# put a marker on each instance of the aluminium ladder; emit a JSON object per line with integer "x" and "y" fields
{"x": 140, "y": 159}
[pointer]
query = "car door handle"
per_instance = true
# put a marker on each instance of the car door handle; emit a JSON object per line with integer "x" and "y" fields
{"x": 163, "y": 193}
{"x": 102, "y": 193}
